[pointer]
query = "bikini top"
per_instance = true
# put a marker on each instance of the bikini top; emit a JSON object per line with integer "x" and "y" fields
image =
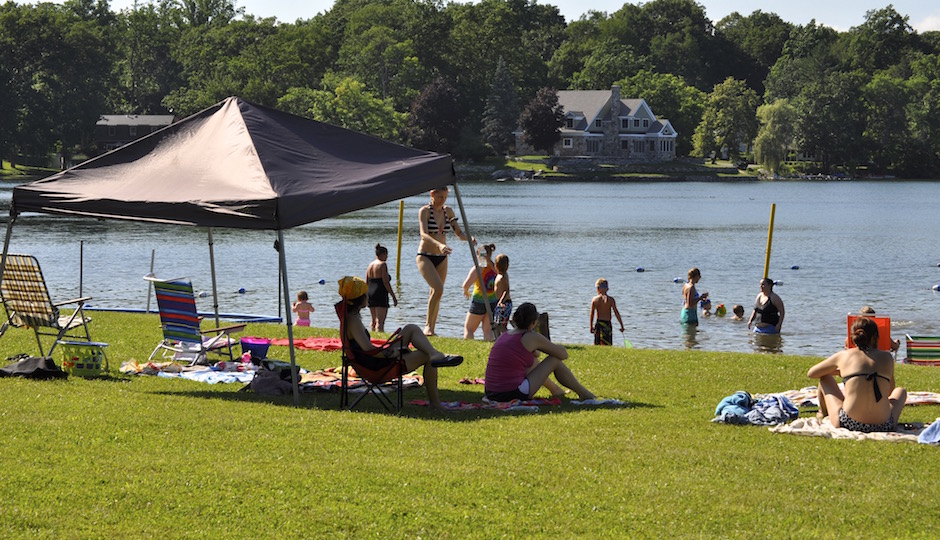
{"x": 869, "y": 377}
{"x": 433, "y": 227}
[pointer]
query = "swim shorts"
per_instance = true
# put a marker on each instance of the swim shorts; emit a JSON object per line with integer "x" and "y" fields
{"x": 603, "y": 333}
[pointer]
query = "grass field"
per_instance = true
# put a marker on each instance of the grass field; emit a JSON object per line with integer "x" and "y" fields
{"x": 149, "y": 457}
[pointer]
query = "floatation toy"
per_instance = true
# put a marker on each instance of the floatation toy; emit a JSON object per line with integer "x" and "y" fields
{"x": 778, "y": 282}
{"x": 677, "y": 280}
{"x": 640, "y": 269}
{"x": 721, "y": 310}
{"x": 241, "y": 290}
{"x": 322, "y": 282}
{"x": 936, "y": 287}
{"x": 795, "y": 267}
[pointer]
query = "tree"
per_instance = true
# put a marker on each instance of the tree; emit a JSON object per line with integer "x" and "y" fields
{"x": 776, "y": 134}
{"x": 434, "y": 120}
{"x": 502, "y": 111}
{"x": 671, "y": 98}
{"x": 807, "y": 57}
{"x": 758, "y": 42}
{"x": 887, "y": 132}
{"x": 345, "y": 102}
{"x": 729, "y": 120}
{"x": 608, "y": 62}
{"x": 880, "y": 42}
{"x": 541, "y": 120}
{"x": 832, "y": 120}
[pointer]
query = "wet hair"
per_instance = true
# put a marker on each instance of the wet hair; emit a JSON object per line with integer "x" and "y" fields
{"x": 864, "y": 333}
{"x": 738, "y": 310}
{"x": 302, "y": 296}
{"x": 694, "y": 272}
{"x": 380, "y": 250}
{"x": 502, "y": 262}
{"x": 525, "y": 315}
{"x": 769, "y": 282}
{"x": 600, "y": 283}
{"x": 867, "y": 310}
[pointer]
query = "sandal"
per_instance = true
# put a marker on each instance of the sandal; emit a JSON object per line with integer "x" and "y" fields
{"x": 447, "y": 361}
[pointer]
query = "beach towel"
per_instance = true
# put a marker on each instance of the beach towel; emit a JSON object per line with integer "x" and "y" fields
{"x": 811, "y": 426}
{"x": 222, "y": 372}
{"x": 806, "y": 397}
{"x": 319, "y": 343}
{"x": 931, "y": 434}
{"x": 741, "y": 408}
{"x": 331, "y": 379}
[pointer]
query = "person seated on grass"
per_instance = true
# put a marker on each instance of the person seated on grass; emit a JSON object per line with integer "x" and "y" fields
{"x": 513, "y": 371}
{"x": 870, "y": 402}
{"x": 353, "y": 290}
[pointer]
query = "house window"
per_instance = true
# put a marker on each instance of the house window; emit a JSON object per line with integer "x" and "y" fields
{"x": 624, "y": 144}
{"x": 646, "y": 122}
{"x": 636, "y": 122}
{"x": 132, "y": 131}
{"x": 569, "y": 123}
{"x": 598, "y": 123}
{"x": 566, "y": 142}
{"x": 637, "y": 146}
{"x": 652, "y": 146}
{"x": 111, "y": 131}
{"x": 593, "y": 146}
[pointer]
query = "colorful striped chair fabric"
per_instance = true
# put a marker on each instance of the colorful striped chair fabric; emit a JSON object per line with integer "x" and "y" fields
{"x": 183, "y": 337}
{"x": 923, "y": 350}
{"x": 27, "y": 303}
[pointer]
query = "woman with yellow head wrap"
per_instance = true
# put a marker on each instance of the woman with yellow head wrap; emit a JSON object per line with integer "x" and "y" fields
{"x": 353, "y": 290}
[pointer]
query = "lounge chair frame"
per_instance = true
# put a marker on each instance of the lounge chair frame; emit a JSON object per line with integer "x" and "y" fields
{"x": 183, "y": 337}
{"x": 27, "y": 303}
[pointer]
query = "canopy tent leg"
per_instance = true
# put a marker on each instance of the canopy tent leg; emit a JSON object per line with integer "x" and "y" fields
{"x": 473, "y": 254}
{"x": 215, "y": 292}
{"x": 6, "y": 246}
{"x": 295, "y": 384}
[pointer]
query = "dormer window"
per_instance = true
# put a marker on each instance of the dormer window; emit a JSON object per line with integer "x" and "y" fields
{"x": 636, "y": 122}
{"x": 624, "y": 123}
{"x": 598, "y": 123}
{"x": 646, "y": 122}
{"x": 569, "y": 123}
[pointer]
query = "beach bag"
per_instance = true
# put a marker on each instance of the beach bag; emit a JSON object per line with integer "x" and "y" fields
{"x": 35, "y": 367}
{"x": 270, "y": 383}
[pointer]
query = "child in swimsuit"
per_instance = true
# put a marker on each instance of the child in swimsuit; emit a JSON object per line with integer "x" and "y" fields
{"x": 602, "y": 306}
{"x": 503, "y": 311}
{"x": 477, "y": 312}
{"x": 303, "y": 309}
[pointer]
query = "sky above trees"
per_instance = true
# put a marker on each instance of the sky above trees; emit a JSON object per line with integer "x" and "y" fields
{"x": 839, "y": 14}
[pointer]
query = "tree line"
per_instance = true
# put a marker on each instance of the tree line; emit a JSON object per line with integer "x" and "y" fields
{"x": 459, "y": 77}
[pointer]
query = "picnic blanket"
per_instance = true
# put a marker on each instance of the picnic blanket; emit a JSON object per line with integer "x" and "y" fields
{"x": 331, "y": 379}
{"x": 806, "y": 397}
{"x": 318, "y": 343}
{"x": 815, "y": 428}
{"x": 222, "y": 372}
{"x": 525, "y": 405}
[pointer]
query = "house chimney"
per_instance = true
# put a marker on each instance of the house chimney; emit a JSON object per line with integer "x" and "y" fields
{"x": 615, "y": 92}
{"x": 614, "y": 102}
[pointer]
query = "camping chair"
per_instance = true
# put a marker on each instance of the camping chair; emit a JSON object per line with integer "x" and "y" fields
{"x": 923, "y": 350}
{"x": 183, "y": 339}
{"x": 374, "y": 379}
{"x": 884, "y": 330}
{"x": 27, "y": 303}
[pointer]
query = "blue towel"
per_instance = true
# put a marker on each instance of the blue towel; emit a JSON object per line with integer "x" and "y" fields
{"x": 931, "y": 435}
{"x": 737, "y": 403}
{"x": 773, "y": 410}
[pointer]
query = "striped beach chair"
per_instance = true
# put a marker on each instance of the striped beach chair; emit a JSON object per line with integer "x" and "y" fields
{"x": 28, "y": 304}
{"x": 183, "y": 337}
{"x": 923, "y": 350}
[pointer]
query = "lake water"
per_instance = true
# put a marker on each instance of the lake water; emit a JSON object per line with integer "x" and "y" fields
{"x": 855, "y": 243}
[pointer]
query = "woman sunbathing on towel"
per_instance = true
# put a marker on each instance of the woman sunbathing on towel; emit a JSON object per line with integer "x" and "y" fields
{"x": 512, "y": 371}
{"x": 353, "y": 290}
{"x": 868, "y": 376}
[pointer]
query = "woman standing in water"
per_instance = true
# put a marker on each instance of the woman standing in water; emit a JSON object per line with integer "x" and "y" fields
{"x": 690, "y": 299}
{"x": 435, "y": 220}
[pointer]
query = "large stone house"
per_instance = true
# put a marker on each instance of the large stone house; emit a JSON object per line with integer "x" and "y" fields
{"x": 600, "y": 123}
{"x": 115, "y": 130}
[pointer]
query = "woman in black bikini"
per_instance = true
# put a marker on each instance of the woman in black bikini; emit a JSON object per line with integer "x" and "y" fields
{"x": 435, "y": 220}
{"x": 870, "y": 402}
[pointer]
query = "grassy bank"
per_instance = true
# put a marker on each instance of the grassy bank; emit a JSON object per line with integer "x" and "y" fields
{"x": 597, "y": 169}
{"x": 121, "y": 457}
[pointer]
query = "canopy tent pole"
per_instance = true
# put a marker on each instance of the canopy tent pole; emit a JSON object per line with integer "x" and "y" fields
{"x": 6, "y": 245}
{"x": 282, "y": 264}
{"x": 476, "y": 261}
{"x": 81, "y": 265}
{"x": 215, "y": 292}
{"x": 153, "y": 253}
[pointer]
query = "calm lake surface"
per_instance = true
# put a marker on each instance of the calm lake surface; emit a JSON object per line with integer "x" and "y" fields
{"x": 854, "y": 243}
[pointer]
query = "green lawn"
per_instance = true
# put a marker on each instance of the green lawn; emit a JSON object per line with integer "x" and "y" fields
{"x": 121, "y": 457}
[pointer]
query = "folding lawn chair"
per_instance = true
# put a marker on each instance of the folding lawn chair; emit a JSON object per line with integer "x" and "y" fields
{"x": 923, "y": 350}
{"x": 183, "y": 339}
{"x": 374, "y": 379}
{"x": 27, "y": 303}
{"x": 884, "y": 330}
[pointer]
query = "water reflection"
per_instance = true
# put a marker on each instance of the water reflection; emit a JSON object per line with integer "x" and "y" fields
{"x": 768, "y": 343}
{"x": 690, "y": 336}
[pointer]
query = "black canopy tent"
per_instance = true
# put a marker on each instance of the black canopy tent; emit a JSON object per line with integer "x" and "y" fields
{"x": 239, "y": 165}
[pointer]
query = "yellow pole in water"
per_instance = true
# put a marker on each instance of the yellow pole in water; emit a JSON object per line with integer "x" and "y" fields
{"x": 770, "y": 235}
{"x": 401, "y": 221}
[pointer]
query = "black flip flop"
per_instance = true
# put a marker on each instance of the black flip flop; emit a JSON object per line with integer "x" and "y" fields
{"x": 448, "y": 361}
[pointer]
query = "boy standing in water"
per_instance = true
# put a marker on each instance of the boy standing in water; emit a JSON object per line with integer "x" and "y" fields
{"x": 601, "y": 307}
{"x": 503, "y": 311}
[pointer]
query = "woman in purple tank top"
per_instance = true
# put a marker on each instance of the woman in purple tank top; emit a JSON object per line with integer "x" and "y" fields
{"x": 513, "y": 371}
